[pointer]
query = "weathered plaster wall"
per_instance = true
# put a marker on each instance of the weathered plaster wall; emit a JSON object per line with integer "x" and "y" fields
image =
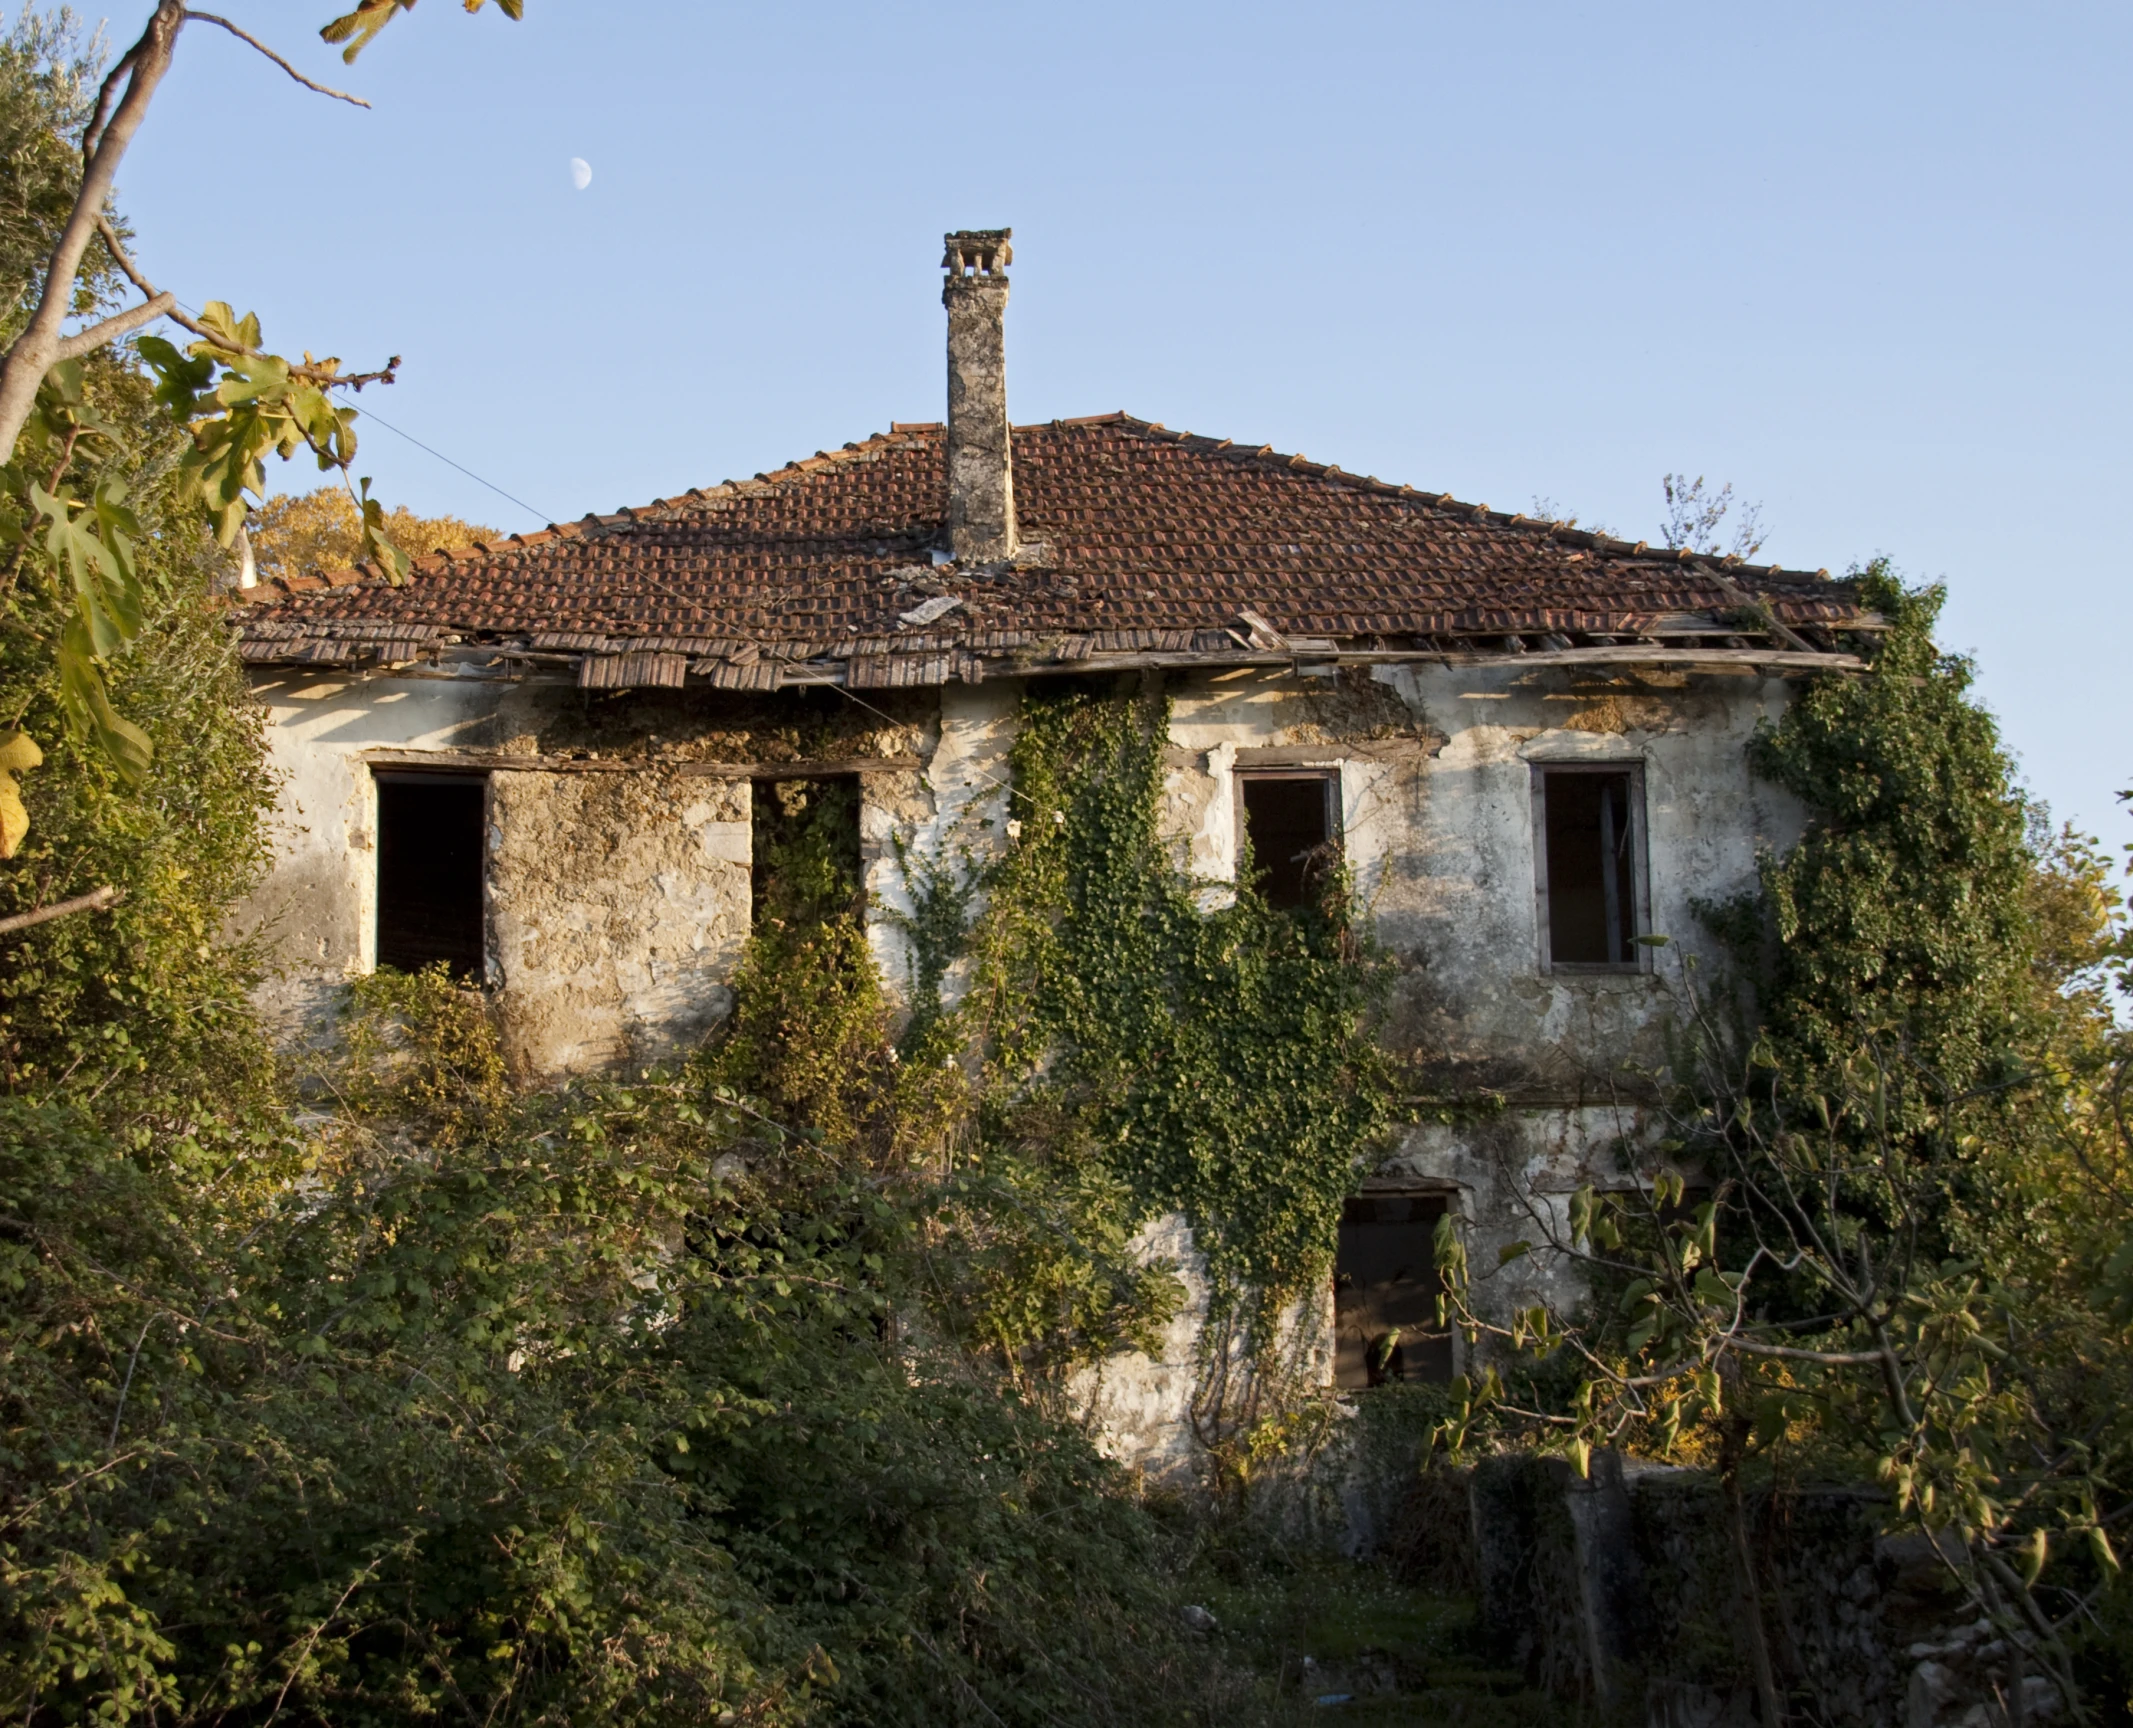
{"x": 1436, "y": 770}
{"x": 1140, "y": 1406}
{"x": 619, "y": 900}
{"x": 618, "y": 894}
{"x": 954, "y": 814}
{"x": 1460, "y": 901}
{"x": 1436, "y": 767}
{"x": 316, "y": 908}
{"x": 1509, "y": 1176}
{"x": 618, "y": 904}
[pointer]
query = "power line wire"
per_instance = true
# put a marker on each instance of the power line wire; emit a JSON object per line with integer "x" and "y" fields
{"x": 538, "y": 515}
{"x": 541, "y": 516}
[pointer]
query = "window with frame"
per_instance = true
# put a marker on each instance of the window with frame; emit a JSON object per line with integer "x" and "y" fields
{"x": 1385, "y": 1289}
{"x": 1590, "y": 824}
{"x": 1292, "y": 822}
{"x": 431, "y": 829}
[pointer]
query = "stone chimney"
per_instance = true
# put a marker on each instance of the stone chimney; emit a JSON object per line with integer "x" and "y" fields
{"x": 981, "y": 478}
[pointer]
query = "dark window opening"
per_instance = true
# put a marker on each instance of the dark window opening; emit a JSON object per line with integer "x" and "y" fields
{"x": 1591, "y": 867}
{"x": 1289, "y": 821}
{"x": 430, "y": 830}
{"x": 804, "y": 858}
{"x": 1385, "y": 1289}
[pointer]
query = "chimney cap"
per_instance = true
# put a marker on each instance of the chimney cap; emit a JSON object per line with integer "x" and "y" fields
{"x": 978, "y": 252}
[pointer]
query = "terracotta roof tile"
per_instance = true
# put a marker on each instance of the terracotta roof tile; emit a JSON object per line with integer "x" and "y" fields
{"x": 1133, "y": 536}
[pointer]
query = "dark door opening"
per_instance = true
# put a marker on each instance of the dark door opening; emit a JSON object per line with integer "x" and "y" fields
{"x": 1385, "y": 1288}
{"x": 1289, "y": 820}
{"x": 1591, "y": 867}
{"x": 804, "y": 861}
{"x": 430, "y": 831}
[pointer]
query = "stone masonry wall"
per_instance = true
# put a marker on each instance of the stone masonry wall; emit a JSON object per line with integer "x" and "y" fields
{"x": 1621, "y": 1590}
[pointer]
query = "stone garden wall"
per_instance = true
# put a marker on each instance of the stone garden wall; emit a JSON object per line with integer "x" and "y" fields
{"x": 1621, "y": 1591}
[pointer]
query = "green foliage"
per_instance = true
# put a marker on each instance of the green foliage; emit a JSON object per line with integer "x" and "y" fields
{"x": 47, "y": 78}
{"x": 143, "y": 1005}
{"x": 809, "y": 1038}
{"x": 1902, "y": 916}
{"x": 243, "y": 405}
{"x": 1121, "y": 1051}
{"x": 68, "y": 531}
{"x": 417, "y": 1045}
{"x": 1136, "y": 1043}
{"x": 626, "y": 1403}
{"x": 533, "y": 1408}
{"x": 71, "y": 536}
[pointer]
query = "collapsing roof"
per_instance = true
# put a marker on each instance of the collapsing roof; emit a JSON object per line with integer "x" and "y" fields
{"x": 1124, "y": 543}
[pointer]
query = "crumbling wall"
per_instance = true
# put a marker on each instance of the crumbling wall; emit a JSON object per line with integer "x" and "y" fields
{"x": 1138, "y": 1405}
{"x": 1152, "y": 1412}
{"x": 1509, "y": 1175}
{"x": 618, "y": 904}
{"x": 953, "y": 815}
{"x": 1435, "y": 771}
{"x": 315, "y": 910}
{"x": 1456, "y": 895}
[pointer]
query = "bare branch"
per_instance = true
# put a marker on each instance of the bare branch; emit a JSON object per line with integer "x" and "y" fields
{"x": 93, "y": 901}
{"x": 123, "y": 259}
{"x": 112, "y": 328}
{"x": 1828, "y": 1358}
{"x": 319, "y": 375}
{"x": 94, "y": 131}
{"x": 246, "y": 36}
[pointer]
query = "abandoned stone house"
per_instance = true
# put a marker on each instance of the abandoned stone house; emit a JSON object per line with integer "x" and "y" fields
{"x": 540, "y": 760}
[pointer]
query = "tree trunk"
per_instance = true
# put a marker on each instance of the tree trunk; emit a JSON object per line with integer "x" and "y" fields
{"x": 37, "y": 348}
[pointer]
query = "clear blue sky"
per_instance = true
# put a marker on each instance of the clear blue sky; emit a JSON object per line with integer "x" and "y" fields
{"x": 1870, "y": 263}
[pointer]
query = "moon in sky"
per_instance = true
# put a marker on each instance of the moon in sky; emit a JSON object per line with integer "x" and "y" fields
{"x": 581, "y": 172}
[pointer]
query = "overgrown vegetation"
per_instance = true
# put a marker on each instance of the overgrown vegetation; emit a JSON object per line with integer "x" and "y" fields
{"x": 539, "y": 1407}
{"x": 400, "y": 1393}
{"x": 1882, "y": 1230}
{"x": 737, "y": 1392}
{"x": 671, "y": 1400}
{"x": 69, "y": 529}
{"x": 433, "y": 1397}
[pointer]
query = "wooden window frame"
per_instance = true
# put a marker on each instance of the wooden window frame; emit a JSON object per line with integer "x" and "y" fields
{"x": 1640, "y": 866}
{"x": 1329, "y": 778}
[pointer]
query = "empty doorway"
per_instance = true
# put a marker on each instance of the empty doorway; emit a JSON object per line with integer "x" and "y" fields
{"x": 1385, "y": 1288}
